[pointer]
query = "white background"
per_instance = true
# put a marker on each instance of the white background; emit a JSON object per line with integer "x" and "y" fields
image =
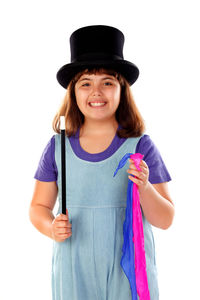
{"x": 162, "y": 39}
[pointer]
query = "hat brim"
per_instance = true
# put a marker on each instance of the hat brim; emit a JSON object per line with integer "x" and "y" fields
{"x": 125, "y": 68}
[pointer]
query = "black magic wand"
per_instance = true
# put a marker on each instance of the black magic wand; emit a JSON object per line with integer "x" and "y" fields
{"x": 63, "y": 164}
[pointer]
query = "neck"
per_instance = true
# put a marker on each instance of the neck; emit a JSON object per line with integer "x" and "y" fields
{"x": 94, "y": 127}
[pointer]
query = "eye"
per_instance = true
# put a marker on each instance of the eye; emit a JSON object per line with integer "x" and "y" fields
{"x": 108, "y": 83}
{"x": 86, "y": 84}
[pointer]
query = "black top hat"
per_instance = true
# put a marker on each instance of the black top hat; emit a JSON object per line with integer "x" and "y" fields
{"x": 97, "y": 46}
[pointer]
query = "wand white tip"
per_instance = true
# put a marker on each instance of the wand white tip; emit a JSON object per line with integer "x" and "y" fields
{"x": 62, "y": 122}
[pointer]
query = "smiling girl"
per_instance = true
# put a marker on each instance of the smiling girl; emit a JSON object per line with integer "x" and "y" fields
{"x": 98, "y": 97}
{"x": 102, "y": 124}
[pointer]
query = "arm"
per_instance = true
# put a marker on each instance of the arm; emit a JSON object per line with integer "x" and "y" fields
{"x": 157, "y": 205}
{"x": 155, "y": 200}
{"x": 41, "y": 216}
{"x": 42, "y": 204}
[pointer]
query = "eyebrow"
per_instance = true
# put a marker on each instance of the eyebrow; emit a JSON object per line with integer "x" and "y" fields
{"x": 104, "y": 78}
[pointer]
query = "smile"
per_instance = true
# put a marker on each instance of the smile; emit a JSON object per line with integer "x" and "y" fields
{"x": 97, "y": 104}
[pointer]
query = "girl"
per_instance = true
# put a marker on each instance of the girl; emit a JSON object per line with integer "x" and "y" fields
{"x": 102, "y": 124}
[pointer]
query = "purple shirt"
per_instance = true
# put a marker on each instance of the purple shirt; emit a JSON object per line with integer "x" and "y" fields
{"x": 47, "y": 169}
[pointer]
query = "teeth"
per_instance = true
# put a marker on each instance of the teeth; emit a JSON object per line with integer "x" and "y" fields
{"x": 97, "y": 103}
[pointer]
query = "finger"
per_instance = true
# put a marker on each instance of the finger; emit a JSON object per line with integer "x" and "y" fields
{"x": 144, "y": 169}
{"x": 63, "y": 224}
{"x": 64, "y": 234}
{"x": 135, "y": 180}
{"x": 132, "y": 163}
{"x": 62, "y": 217}
{"x": 63, "y": 237}
{"x": 132, "y": 166}
{"x": 134, "y": 172}
{"x": 143, "y": 164}
{"x": 63, "y": 230}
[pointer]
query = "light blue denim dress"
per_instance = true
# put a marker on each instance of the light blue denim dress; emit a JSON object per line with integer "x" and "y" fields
{"x": 86, "y": 266}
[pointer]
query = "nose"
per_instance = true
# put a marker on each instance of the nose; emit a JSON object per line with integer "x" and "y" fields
{"x": 96, "y": 91}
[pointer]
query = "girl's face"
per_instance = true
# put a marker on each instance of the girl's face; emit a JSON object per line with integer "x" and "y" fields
{"x": 98, "y": 96}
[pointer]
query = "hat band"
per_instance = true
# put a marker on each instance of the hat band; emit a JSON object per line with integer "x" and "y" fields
{"x": 96, "y": 57}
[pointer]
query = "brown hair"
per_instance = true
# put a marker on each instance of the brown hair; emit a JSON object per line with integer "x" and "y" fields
{"x": 127, "y": 113}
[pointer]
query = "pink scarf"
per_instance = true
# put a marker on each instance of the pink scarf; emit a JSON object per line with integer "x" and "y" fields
{"x": 138, "y": 239}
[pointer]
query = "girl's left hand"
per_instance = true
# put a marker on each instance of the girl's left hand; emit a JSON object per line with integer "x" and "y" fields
{"x": 141, "y": 177}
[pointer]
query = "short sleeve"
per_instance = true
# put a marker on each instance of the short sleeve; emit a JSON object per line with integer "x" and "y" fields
{"x": 158, "y": 172}
{"x": 47, "y": 169}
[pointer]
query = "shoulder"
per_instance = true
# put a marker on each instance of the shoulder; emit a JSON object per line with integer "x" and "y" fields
{"x": 49, "y": 150}
{"x": 51, "y": 143}
{"x": 152, "y": 157}
{"x": 147, "y": 147}
{"x": 47, "y": 169}
{"x": 144, "y": 141}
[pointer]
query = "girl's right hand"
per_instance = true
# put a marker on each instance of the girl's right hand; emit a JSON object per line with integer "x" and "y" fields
{"x": 61, "y": 228}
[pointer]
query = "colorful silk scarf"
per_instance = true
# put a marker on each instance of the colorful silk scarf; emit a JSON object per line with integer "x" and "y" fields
{"x": 133, "y": 260}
